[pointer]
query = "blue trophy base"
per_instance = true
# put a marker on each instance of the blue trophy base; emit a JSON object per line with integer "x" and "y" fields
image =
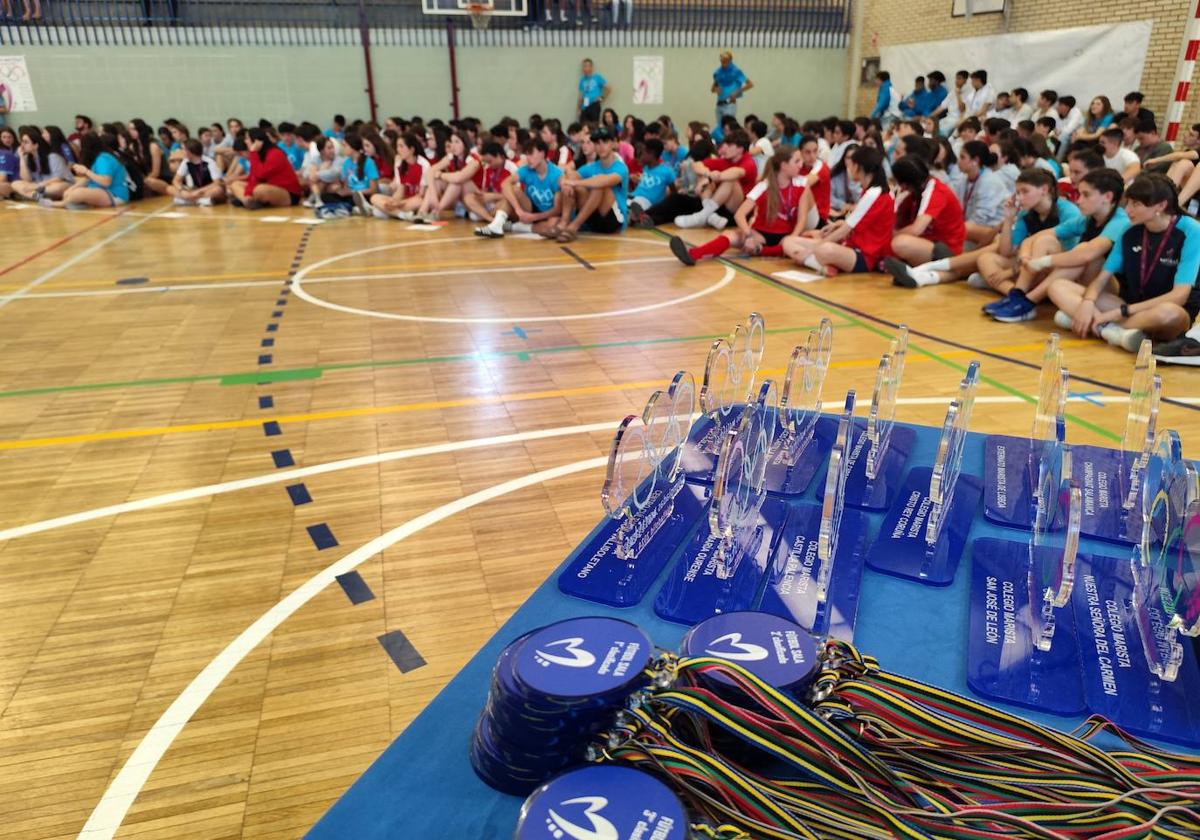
{"x": 1116, "y": 680}
{"x": 785, "y": 479}
{"x": 1002, "y": 661}
{"x": 791, "y": 590}
{"x": 900, "y": 548}
{"x": 694, "y": 591}
{"x": 595, "y": 573}
{"x": 1103, "y": 476}
{"x": 877, "y": 493}
{"x": 703, "y": 444}
{"x": 1010, "y": 478}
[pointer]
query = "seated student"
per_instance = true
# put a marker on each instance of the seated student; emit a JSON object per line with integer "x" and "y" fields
{"x": 534, "y": 195}
{"x": 288, "y": 143}
{"x": 929, "y": 216}
{"x": 1099, "y": 117}
{"x": 1045, "y": 107}
{"x": 1117, "y": 156}
{"x": 673, "y": 153}
{"x": 1008, "y": 163}
{"x": 322, "y": 170}
{"x": 101, "y": 179}
{"x": 444, "y": 183}
{"x": 1100, "y": 226}
{"x": 1156, "y": 265}
{"x": 1070, "y": 121}
{"x": 816, "y": 202}
{"x": 42, "y": 171}
{"x": 760, "y": 147}
{"x": 1079, "y": 163}
{"x": 860, "y": 241}
{"x": 58, "y": 142}
{"x": 150, "y": 156}
{"x": 656, "y": 179}
{"x": 1044, "y": 129}
{"x": 1021, "y": 108}
{"x": 968, "y": 130}
{"x": 597, "y": 193}
{"x": 729, "y": 176}
{"x": 686, "y": 196}
{"x": 558, "y": 143}
{"x": 272, "y": 182}
{"x": 913, "y": 105}
{"x": 482, "y": 195}
{"x": 1003, "y": 109}
{"x": 1179, "y": 164}
{"x": 1134, "y": 110}
{"x": 337, "y": 128}
{"x": 983, "y": 192}
{"x": 769, "y": 213}
{"x": 360, "y": 175}
{"x": 408, "y": 183}
{"x": 198, "y": 180}
{"x": 1152, "y": 147}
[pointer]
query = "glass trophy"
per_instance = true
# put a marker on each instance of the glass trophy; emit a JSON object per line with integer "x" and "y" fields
{"x": 924, "y": 532}
{"x": 649, "y": 506}
{"x": 721, "y": 567}
{"x": 882, "y": 418}
{"x": 835, "y": 498}
{"x": 805, "y": 436}
{"x": 1111, "y": 478}
{"x": 1053, "y": 550}
{"x": 730, "y": 374}
{"x": 1011, "y": 463}
{"x": 1138, "y": 668}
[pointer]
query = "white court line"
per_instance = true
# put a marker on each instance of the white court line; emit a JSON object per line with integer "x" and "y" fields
{"x": 110, "y": 811}
{"x": 82, "y": 255}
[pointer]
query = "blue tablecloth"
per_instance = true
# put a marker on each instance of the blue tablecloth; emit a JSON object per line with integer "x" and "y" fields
{"x": 423, "y": 786}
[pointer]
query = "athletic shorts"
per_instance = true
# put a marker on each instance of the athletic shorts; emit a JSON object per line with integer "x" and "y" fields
{"x": 603, "y": 223}
{"x": 295, "y": 199}
{"x": 771, "y": 239}
{"x": 860, "y": 263}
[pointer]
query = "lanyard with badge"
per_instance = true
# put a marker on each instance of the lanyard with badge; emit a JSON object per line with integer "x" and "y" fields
{"x": 1148, "y": 266}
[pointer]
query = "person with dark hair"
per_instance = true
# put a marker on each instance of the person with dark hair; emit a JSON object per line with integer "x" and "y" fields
{"x": 1156, "y": 264}
{"x": 482, "y": 195}
{"x": 935, "y": 94}
{"x": 593, "y": 90}
{"x": 952, "y": 109}
{"x": 1080, "y": 162}
{"x": 685, "y": 199}
{"x": 673, "y": 154}
{"x": 860, "y": 241}
{"x": 198, "y": 180}
{"x": 1117, "y": 156}
{"x": 409, "y": 178}
{"x": 1021, "y": 109}
{"x": 444, "y": 183}
{"x": 887, "y": 101}
{"x": 359, "y": 176}
{"x": 917, "y": 102}
{"x": 1070, "y": 120}
{"x": 58, "y": 142}
{"x": 729, "y": 84}
{"x": 557, "y": 142}
{"x": 1179, "y": 165}
{"x": 968, "y": 130}
{"x": 929, "y": 217}
{"x": 1151, "y": 147}
{"x": 288, "y": 144}
{"x": 150, "y": 156}
{"x": 1134, "y": 109}
{"x": 337, "y": 128}
{"x": 272, "y": 182}
{"x": 101, "y": 177}
{"x": 597, "y": 195}
{"x": 760, "y": 145}
{"x": 1045, "y": 107}
{"x": 982, "y": 192}
{"x": 655, "y": 180}
{"x": 83, "y": 125}
{"x": 42, "y": 171}
{"x": 980, "y": 98}
{"x": 730, "y": 177}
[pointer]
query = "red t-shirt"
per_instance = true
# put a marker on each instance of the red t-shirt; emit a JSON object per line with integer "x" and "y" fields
{"x": 411, "y": 177}
{"x": 785, "y": 215}
{"x": 488, "y": 180}
{"x": 938, "y": 201}
{"x": 821, "y": 189}
{"x": 1067, "y": 190}
{"x": 745, "y": 163}
{"x": 276, "y": 170}
{"x": 872, "y": 223}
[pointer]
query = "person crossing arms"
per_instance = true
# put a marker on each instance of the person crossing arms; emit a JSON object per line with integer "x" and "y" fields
{"x": 534, "y": 196}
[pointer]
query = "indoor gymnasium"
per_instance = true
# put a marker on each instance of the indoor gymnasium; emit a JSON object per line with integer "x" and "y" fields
{"x": 599, "y": 419}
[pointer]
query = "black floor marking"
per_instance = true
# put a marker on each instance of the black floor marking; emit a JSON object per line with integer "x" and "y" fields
{"x": 578, "y": 258}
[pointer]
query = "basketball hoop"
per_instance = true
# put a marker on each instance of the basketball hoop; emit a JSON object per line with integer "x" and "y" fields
{"x": 481, "y": 15}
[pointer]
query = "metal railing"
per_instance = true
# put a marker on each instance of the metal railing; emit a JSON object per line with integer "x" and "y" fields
{"x": 664, "y": 23}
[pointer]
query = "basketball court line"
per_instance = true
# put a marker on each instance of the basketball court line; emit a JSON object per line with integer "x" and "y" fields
{"x": 58, "y": 244}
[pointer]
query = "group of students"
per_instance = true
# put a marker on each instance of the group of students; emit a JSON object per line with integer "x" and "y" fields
{"x": 1092, "y": 219}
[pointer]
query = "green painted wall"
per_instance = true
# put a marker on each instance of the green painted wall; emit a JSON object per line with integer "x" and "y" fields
{"x": 202, "y": 84}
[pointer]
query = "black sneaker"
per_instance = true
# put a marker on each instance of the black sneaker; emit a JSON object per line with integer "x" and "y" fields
{"x": 1181, "y": 351}
{"x": 680, "y": 249}
{"x": 941, "y": 251}
{"x": 899, "y": 271}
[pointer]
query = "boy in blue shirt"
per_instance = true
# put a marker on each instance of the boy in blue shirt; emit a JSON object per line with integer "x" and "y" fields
{"x": 598, "y": 193}
{"x": 673, "y": 153}
{"x": 729, "y": 83}
{"x": 287, "y": 144}
{"x": 657, "y": 177}
{"x": 534, "y": 196}
{"x": 593, "y": 90}
{"x": 337, "y": 129}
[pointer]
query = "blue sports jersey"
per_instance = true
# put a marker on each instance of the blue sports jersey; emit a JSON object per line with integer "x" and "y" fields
{"x": 728, "y": 80}
{"x": 541, "y": 189}
{"x": 591, "y": 87}
{"x": 1082, "y": 228}
{"x": 655, "y": 182}
{"x": 107, "y": 164}
{"x": 295, "y": 154}
{"x": 10, "y": 164}
{"x": 1028, "y": 223}
{"x": 350, "y": 174}
{"x": 620, "y": 190}
{"x": 673, "y": 159}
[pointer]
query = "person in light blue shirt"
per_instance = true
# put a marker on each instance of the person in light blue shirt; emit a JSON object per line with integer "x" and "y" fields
{"x": 593, "y": 90}
{"x": 657, "y": 178}
{"x": 534, "y": 195}
{"x": 982, "y": 192}
{"x": 673, "y": 152}
{"x": 294, "y": 151}
{"x": 337, "y": 129}
{"x": 106, "y": 183}
{"x": 913, "y": 105}
{"x": 883, "y": 99}
{"x": 729, "y": 83}
{"x": 598, "y": 194}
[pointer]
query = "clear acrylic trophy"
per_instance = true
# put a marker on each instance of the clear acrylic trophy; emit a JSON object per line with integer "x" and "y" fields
{"x": 879, "y": 448}
{"x": 925, "y": 531}
{"x": 730, "y": 374}
{"x": 805, "y": 435}
{"x": 1110, "y": 478}
{"x": 1053, "y": 551}
{"x": 720, "y": 568}
{"x": 1138, "y": 669}
{"x": 818, "y": 563}
{"x": 1011, "y": 463}
{"x": 649, "y": 505}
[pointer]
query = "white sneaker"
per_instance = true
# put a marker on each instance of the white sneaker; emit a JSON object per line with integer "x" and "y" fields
{"x": 204, "y": 202}
{"x": 313, "y": 200}
{"x": 489, "y": 232}
{"x": 406, "y": 216}
{"x": 976, "y": 281}
{"x": 692, "y": 220}
{"x": 183, "y": 202}
{"x": 717, "y": 221}
{"x": 1063, "y": 320}
{"x": 562, "y": 15}
{"x": 1129, "y": 340}
{"x": 379, "y": 214}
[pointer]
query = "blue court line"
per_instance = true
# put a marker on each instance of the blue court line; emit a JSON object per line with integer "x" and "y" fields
{"x": 283, "y": 458}
{"x": 285, "y": 290}
{"x": 267, "y": 342}
{"x": 321, "y": 536}
{"x": 401, "y": 650}
{"x": 355, "y": 587}
{"x": 278, "y": 313}
{"x": 133, "y": 281}
{"x": 264, "y": 359}
{"x": 281, "y": 302}
{"x": 298, "y": 493}
{"x": 1087, "y": 396}
{"x": 272, "y": 428}
{"x": 272, "y": 327}
{"x": 266, "y": 402}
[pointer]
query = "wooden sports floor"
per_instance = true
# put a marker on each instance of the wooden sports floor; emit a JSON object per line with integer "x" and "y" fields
{"x": 417, "y": 406}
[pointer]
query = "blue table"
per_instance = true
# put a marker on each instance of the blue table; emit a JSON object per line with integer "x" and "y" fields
{"x": 423, "y": 786}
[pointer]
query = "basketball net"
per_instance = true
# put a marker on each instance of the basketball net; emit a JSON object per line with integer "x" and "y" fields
{"x": 481, "y": 15}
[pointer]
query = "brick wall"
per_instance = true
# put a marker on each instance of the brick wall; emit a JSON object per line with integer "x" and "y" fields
{"x": 891, "y": 22}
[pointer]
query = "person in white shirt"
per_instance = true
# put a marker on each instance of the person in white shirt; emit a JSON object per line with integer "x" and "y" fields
{"x": 1070, "y": 121}
{"x": 198, "y": 180}
{"x": 1022, "y": 110}
{"x": 1003, "y": 109}
{"x": 950, "y": 113}
{"x": 980, "y": 98}
{"x": 1117, "y": 156}
{"x": 1045, "y": 106}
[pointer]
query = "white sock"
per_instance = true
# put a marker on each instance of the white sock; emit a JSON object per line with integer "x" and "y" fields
{"x": 811, "y": 262}
{"x": 706, "y": 209}
{"x": 520, "y": 227}
{"x": 1194, "y": 332}
{"x": 497, "y": 223}
{"x": 924, "y": 277}
{"x": 936, "y": 265}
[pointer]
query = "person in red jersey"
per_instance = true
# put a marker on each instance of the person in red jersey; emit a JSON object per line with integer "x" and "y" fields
{"x": 766, "y": 216}
{"x": 858, "y": 242}
{"x": 929, "y": 216}
{"x": 817, "y": 183}
{"x": 411, "y": 172}
{"x": 482, "y": 194}
{"x": 272, "y": 181}
{"x": 730, "y": 177}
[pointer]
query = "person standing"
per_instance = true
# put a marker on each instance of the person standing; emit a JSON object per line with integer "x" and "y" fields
{"x": 729, "y": 83}
{"x": 593, "y": 90}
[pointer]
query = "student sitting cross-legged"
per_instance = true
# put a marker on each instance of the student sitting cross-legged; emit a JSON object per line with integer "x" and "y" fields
{"x": 730, "y": 177}
{"x": 597, "y": 194}
{"x": 534, "y": 196}
{"x": 198, "y": 180}
{"x": 929, "y": 215}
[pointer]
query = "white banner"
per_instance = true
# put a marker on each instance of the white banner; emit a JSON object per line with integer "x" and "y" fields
{"x": 648, "y": 71}
{"x": 1083, "y": 61}
{"x": 16, "y": 88}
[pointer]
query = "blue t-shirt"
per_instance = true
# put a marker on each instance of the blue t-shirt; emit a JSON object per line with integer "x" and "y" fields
{"x": 1178, "y": 261}
{"x": 295, "y": 154}
{"x": 336, "y": 135}
{"x": 591, "y": 87}
{"x": 350, "y": 174}
{"x": 106, "y": 164}
{"x": 1084, "y": 229}
{"x": 540, "y": 188}
{"x": 673, "y": 159}
{"x": 10, "y": 164}
{"x": 620, "y": 190}
{"x": 1028, "y": 223}
{"x": 728, "y": 80}
{"x": 655, "y": 182}
{"x": 934, "y": 98}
